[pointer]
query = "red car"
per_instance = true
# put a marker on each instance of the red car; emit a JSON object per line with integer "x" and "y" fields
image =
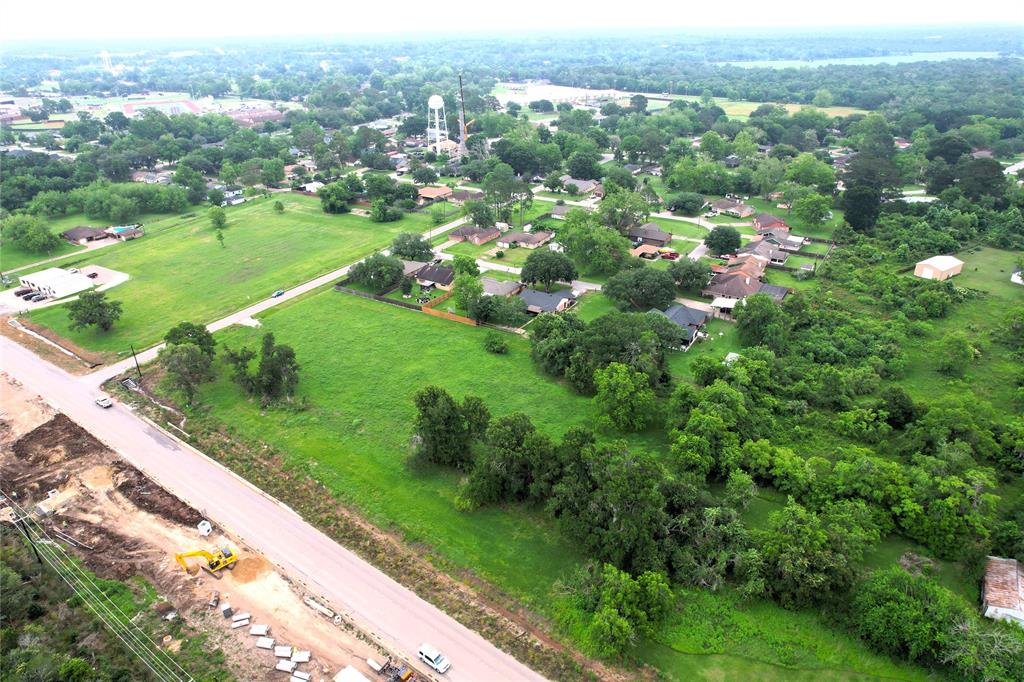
{"x": 670, "y": 256}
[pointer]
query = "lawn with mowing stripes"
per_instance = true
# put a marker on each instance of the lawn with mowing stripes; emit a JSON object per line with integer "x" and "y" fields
{"x": 180, "y": 272}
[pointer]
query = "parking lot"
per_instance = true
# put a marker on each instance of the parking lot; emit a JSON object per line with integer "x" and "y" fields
{"x": 104, "y": 279}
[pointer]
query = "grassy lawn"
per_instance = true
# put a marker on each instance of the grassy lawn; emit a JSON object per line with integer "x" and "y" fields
{"x": 738, "y": 108}
{"x": 179, "y": 271}
{"x": 990, "y": 377}
{"x": 681, "y": 228}
{"x": 721, "y": 340}
{"x": 787, "y": 279}
{"x": 12, "y": 257}
{"x": 593, "y": 305}
{"x": 358, "y": 446}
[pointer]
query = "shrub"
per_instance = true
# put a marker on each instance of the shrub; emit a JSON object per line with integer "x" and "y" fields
{"x": 494, "y": 343}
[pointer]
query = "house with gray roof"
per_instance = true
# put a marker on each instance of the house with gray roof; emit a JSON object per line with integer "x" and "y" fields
{"x": 538, "y": 301}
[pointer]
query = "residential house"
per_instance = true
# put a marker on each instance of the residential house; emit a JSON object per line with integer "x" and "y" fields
{"x": 789, "y": 242}
{"x": 582, "y": 186}
{"x": 740, "y": 278}
{"x": 938, "y": 267}
{"x": 411, "y": 267}
{"x": 732, "y": 207}
{"x": 767, "y": 248}
{"x": 690, "y": 320}
{"x": 436, "y": 275}
{"x": 561, "y": 210}
{"x": 902, "y": 143}
{"x": 542, "y": 302}
{"x": 233, "y": 191}
{"x": 461, "y": 196}
{"x": 645, "y": 251}
{"x": 634, "y": 168}
{"x": 1002, "y": 595}
{"x": 312, "y": 187}
{"x": 649, "y": 233}
{"x": 473, "y": 234}
{"x": 82, "y": 234}
{"x": 435, "y": 193}
{"x": 777, "y": 292}
{"x": 732, "y": 161}
{"x": 766, "y": 221}
{"x": 126, "y": 232}
{"x": 527, "y": 240}
{"x": 500, "y": 287}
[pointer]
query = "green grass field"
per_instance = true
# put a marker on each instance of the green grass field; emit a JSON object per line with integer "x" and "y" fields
{"x": 13, "y": 257}
{"x": 990, "y": 377}
{"x": 179, "y": 271}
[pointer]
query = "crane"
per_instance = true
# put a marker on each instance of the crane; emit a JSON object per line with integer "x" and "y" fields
{"x": 224, "y": 558}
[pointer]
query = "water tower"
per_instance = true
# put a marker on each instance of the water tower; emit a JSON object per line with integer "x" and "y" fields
{"x": 437, "y": 124}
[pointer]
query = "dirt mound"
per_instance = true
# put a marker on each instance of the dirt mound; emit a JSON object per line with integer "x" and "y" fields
{"x": 57, "y": 440}
{"x": 148, "y": 496}
{"x": 250, "y": 568}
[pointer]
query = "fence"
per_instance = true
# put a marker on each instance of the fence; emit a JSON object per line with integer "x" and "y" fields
{"x": 428, "y": 308}
{"x": 340, "y": 286}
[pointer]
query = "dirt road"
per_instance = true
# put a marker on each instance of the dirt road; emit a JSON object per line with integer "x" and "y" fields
{"x": 371, "y": 599}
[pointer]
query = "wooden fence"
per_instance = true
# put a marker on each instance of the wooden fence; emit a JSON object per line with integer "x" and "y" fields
{"x": 428, "y": 308}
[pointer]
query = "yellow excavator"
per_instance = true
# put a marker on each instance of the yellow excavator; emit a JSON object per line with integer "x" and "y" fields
{"x": 224, "y": 558}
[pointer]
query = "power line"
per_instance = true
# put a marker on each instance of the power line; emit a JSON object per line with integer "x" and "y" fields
{"x": 131, "y": 635}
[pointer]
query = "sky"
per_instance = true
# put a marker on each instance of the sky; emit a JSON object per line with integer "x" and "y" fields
{"x": 110, "y": 19}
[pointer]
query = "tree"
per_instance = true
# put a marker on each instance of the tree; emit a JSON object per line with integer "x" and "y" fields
{"x": 467, "y": 290}
{"x": 272, "y": 172}
{"x": 334, "y": 197}
{"x": 215, "y": 197}
{"x": 278, "y": 207}
{"x": 195, "y": 334}
{"x": 29, "y": 233}
{"x": 93, "y": 308}
{"x": 547, "y": 267}
{"x": 480, "y": 213}
{"x": 381, "y": 212}
{"x": 623, "y": 608}
{"x": 585, "y": 164}
{"x": 495, "y": 343}
{"x": 186, "y": 366}
{"x": 596, "y": 248}
{"x": 712, "y": 144}
{"x": 808, "y": 171}
{"x": 444, "y": 430}
{"x": 767, "y": 176}
{"x": 378, "y": 272}
{"x": 622, "y": 210}
{"x": 218, "y": 218}
{"x": 761, "y": 321}
{"x": 465, "y": 265}
{"x": 862, "y": 205}
{"x": 641, "y": 289}
{"x": 689, "y": 203}
{"x": 411, "y": 246}
{"x": 553, "y": 181}
{"x": 276, "y": 373}
{"x": 689, "y": 274}
{"x": 424, "y": 175}
{"x": 956, "y": 354}
{"x": 624, "y": 397}
{"x": 722, "y": 239}
{"x": 809, "y": 557}
{"x": 981, "y": 177}
{"x": 813, "y": 209}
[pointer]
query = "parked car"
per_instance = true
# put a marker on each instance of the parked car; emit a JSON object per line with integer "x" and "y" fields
{"x": 92, "y": 275}
{"x": 670, "y": 256}
{"x": 104, "y": 402}
{"x": 29, "y": 294}
{"x": 434, "y": 658}
{"x": 278, "y": 293}
{"x": 21, "y": 292}
{"x": 36, "y": 298}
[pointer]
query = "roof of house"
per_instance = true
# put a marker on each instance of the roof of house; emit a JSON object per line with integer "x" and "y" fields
{"x": 643, "y": 249}
{"x": 769, "y": 248}
{"x": 650, "y": 231}
{"x": 437, "y": 274}
{"x": 543, "y": 301}
{"x": 435, "y": 192}
{"x": 774, "y": 290}
{"x": 499, "y": 287}
{"x": 752, "y": 264}
{"x": 1004, "y": 583}
{"x": 581, "y": 185}
{"x": 467, "y": 195}
{"x": 472, "y": 230}
{"x": 561, "y": 209}
{"x": 538, "y": 237}
{"x": 723, "y": 204}
{"x": 686, "y": 317}
{"x": 767, "y": 220}
{"x": 411, "y": 267}
{"x": 83, "y": 232}
{"x": 735, "y": 285}
{"x": 942, "y": 262}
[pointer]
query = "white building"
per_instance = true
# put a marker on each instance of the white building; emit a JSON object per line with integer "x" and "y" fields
{"x": 56, "y": 282}
{"x": 1002, "y": 597}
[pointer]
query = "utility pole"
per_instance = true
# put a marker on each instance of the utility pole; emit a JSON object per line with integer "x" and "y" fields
{"x": 135, "y": 357}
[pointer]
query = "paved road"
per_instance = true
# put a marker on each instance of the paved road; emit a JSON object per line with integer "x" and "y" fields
{"x": 373, "y": 600}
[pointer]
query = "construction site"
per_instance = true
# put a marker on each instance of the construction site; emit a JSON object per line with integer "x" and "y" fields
{"x": 121, "y": 525}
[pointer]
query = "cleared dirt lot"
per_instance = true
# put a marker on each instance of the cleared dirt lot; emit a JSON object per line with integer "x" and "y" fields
{"x": 125, "y": 525}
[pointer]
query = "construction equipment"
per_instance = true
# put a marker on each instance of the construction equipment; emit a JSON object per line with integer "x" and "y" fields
{"x": 223, "y": 558}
